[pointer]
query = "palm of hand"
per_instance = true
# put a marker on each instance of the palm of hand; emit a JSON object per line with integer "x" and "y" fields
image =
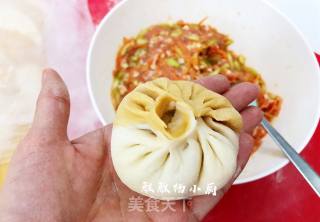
{"x": 61, "y": 180}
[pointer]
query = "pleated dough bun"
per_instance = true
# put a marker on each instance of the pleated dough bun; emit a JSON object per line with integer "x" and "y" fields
{"x": 169, "y": 135}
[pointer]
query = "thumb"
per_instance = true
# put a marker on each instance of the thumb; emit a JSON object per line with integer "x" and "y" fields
{"x": 53, "y": 107}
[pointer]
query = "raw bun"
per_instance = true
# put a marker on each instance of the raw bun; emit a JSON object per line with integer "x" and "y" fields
{"x": 169, "y": 134}
{"x": 22, "y": 59}
{"x": 24, "y": 17}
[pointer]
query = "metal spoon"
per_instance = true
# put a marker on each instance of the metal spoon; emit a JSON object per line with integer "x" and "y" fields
{"x": 304, "y": 168}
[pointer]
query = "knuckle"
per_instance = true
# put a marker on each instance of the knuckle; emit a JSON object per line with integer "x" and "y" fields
{"x": 54, "y": 97}
{"x": 256, "y": 112}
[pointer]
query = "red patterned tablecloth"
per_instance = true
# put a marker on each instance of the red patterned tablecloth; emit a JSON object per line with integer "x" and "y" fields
{"x": 281, "y": 196}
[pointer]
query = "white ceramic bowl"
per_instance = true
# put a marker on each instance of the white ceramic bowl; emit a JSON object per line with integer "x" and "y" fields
{"x": 268, "y": 40}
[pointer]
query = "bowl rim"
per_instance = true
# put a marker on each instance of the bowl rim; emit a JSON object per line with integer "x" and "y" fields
{"x": 313, "y": 61}
{"x": 312, "y": 130}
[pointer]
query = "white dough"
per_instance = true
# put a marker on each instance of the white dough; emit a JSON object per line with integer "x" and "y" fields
{"x": 22, "y": 59}
{"x": 175, "y": 133}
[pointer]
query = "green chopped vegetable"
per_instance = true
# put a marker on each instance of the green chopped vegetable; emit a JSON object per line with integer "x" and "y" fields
{"x": 141, "y": 41}
{"x": 193, "y": 37}
{"x": 137, "y": 55}
{"x": 229, "y": 42}
{"x": 134, "y": 58}
{"x": 125, "y": 48}
{"x": 203, "y": 64}
{"x": 119, "y": 76}
{"x": 208, "y": 61}
{"x": 224, "y": 68}
{"x": 115, "y": 95}
{"x": 115, "y": 84}
{"x": 176, "y": 33}
{"x": 173, "y": 63}
{"x": 233, "y": 62}
{"x": 140, "y": 52}
{"x": 212, "y": 42}
{"x": 236, "y": 65}
{"x": 215, "y": 72}
{"x": 229, "y": 57}
{"x": 242, "y": 59}
{"x": 124, "y": 65}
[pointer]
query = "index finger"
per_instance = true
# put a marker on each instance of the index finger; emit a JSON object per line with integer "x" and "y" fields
{"x": 242, "y": 94}
{"x": 216, "y": 83}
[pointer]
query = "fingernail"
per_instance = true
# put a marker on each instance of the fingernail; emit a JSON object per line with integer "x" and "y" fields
{"x": 53, "y": 84}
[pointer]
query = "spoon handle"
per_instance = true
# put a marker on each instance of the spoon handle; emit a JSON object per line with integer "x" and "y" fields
{"x": 304, "y": 168}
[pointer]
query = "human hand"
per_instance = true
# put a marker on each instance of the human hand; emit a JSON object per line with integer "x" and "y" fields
{"x": 52, "y": 178}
